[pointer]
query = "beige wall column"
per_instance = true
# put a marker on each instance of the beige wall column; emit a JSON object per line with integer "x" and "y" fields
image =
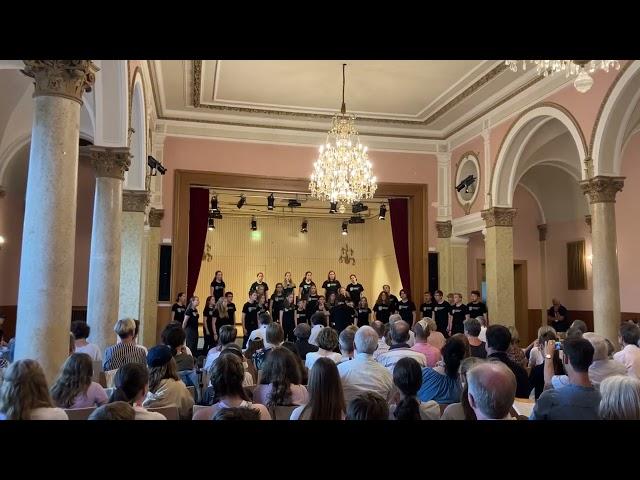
{"x": 459, "y": 247}
{"x": 104, "y": 264}
{"x": 148, "y": 327}
{"x": 602, "y": 192}
{"x": 544, "y": 289}
{"x": 48, "y": 241}
{"x": 445, "y": 263}
{"x": 499, "y": 264}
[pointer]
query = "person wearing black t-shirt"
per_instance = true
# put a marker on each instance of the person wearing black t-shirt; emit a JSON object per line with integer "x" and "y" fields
{"x": 306, "y": 285}
{"x": 259, "y": 283}
{"x": 441, "y": 313}
{"x": 191, "y": 323}
{"x": 458, "y": 314}
{"x": 558, "y": 316}
{"x": 209, "y": 314}
{"x": 301, "y": 312}
{"x": 393, "y": 300}
{"x": 331, "y": 285}
{"x": 231, "y": 308}
{"x": 287, "y": 318}
{"x": 354, "y": 289}
{"x": 364, "y": 312}
{"x": 288, "y": 286}
{"x": 178, "y": 308}
{"x": 406, "y": 308}
{"x": 223, "y": 314}
{"x": 382, "y": 308}
{"x": 322, "y": 306}
{"x": 476, "y": 307}
{"x": 217, "y": 286}
{"x": 263, "y": 304}
{"x": 277, "y": 299}
{"x": 426, "y": 309}
{"x": 332, "y": 300}
{"x": 312, "y": 301}
{"x": 249, "y": 317}
{"x": 341, "y": 315}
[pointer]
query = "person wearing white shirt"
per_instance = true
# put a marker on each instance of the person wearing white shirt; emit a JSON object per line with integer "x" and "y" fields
{"x": 319, "y": 321}
{"x": 629, "y": 356}
{"x": 227, "y": 335}
{"x": 483, "y": 328}
{"x": 81, "y": 332}
{"x": 363, "y": 374}
{"x": 261, "y": 331}
{"x": 378, "y": 327}
{"x": 400, "y": 348}
{"x": 327, "y": 343}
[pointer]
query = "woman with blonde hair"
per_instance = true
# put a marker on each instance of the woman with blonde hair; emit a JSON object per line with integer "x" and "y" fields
{"x": 24, "y": 394}
{"x": 620, "y": 398}
{"x": 221, "y": 317}
{"x": 436, "y": 338}
{"x": 514, "y": 352}
{"x": 74, "y": 388}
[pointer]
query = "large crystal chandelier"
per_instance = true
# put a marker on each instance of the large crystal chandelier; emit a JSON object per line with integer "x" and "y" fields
{"x": 578, "y": 68}
{"x": 342, "y": 174}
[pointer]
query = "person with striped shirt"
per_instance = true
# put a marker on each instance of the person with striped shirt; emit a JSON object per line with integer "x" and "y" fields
{"x": 125, "y": 351}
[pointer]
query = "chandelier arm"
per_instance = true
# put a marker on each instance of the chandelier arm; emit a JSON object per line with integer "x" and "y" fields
{"x": 343, "y": 110}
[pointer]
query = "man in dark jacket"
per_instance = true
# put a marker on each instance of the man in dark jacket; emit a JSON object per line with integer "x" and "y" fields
{"x": 498, "y": 341}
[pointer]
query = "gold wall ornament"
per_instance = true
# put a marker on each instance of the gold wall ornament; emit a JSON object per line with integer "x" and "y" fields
{"x": 346, "y": 255}
{"x": 444, "y": 229}
{"x": 499, "y": 216}
{"x": 602, "y": 189}
{"x": 61, "y": 78}
{"x": 108, "y": 161}
{"x": 207, "y": 256}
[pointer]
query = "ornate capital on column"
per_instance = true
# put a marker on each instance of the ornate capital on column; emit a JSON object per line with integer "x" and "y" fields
{"x": 62, "y": 78}
{"x": 602, "y": 189}
{"x": 587, "y": 220}
{"x": 155, "y": 216}
{"x": 444, "y": 229}
{"x": 108, "y": 161}
{"x": 499, "y": 216}
{"x": 135, "y": 200}
{"x": 542, "y": 232}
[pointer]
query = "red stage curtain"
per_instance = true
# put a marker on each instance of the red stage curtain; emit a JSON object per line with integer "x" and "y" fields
{"x": 399, "y": 211}
{"x": 198, "y": 216}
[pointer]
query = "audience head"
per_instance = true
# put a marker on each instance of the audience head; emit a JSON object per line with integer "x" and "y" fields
{"x": 237, "y": 414}
{"x": 274, "y": 334}
{"x": 227, "y": 375}
{"x": 491, "y": 390}
{"x": 174, "y": 338}
{"x": 421, "y": 333}
{"x": 326, "y": 399}
{"x": 433, "y": 327}
{"x": 498, "y": 339}
{"x": 399, "y": 332}
{"x": 515, "y": 336}
{"x": 366, "y": 340}
{"x": 264, "y": 318}
{"x": 131, "y": 381}
{"x": 346, "y": 340}
{"x": 393, "y": 318}
{"x": 620, "y": 398}
{"x": 580, "y": 325}
{"x": 125, "y": 328}
{"x": 368, "y": 406}
{"x": 162, "y": 366}
{"x": 482, "y": 320}
{"x": 629, "y": 334}
{"x": 80, "y": 330}
{"x": 472, "y": 327}
{"x": 114, "y": 411}
{"x": 407, "y": 377}
{"x": 302, "y": 331}
{"x": 599, "y": 346}
{"x": 578, "y": 353}
{"x": 319, "y": 318}
{"x": 74, "y": 379}
{"x": 23, "y": 389}
{"x": 280, "y": 370}
{"x": 327, "y": 339}
{"x": 227, "y": 334}
{"x": 573, "y": 332}
{"x": 453, "y": 352}
{"x": 378, "y": 327}
{"x": 546, "y": 333}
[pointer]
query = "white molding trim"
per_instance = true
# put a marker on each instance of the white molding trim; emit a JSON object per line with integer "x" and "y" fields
{"x": 468, "y": 224}
{"x": 459, "y": 241}
{"x": 543, "y": 218}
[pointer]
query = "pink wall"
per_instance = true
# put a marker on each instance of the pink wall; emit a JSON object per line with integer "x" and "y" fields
{"x": 475, "y": 145}
{"x": 475, "y": 250}
{"x": 628, "y": 228}
{"x": 283, "y": 161}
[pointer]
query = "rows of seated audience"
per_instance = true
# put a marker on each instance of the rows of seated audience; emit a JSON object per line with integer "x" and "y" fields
{"x": 374, "y": 372}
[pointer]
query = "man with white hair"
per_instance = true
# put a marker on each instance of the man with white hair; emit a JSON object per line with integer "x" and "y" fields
{"x": 602, "y": 366}
{"x": 412, "y": 336}
{"x": 378, "y": 327}
{"x": 363, "y": 373}
{"x": 492, "y": 390}
{"x": 400, "y": 347}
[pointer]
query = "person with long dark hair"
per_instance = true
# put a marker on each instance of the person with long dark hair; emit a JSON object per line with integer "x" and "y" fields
{"x": 287, "y": 285}
{"x": 132, "y": 385}
{"x": 364, "y": 312}
{"x": 407, "y": 377}
{"x": 209, "y": 314}
{"x": 191, "y": 323}
{"x": 442, "y": 383}
{"x": 259, "y": 283}
{"x": 393, "y": 300}
{"x": 382, "y": 308}
{"x": 276, "y": 301}
{"x": 178, "y": 308}
{"x": 281, "y": 381}
{"x": 331, "y": 284}
{"x": 249, "y": 317}
{"x": 288, "y": 318}
{"x": 217, "y": 286}
{"x": 326, "y": 400}
{"x": 305, "y": 286}
{"x": 74, "y": 387}
{"x": 263, "y": 304}
{"x": 406, "y": 308}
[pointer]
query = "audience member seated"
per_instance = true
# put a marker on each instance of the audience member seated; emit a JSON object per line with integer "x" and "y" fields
{"x": 326, "y": 400}
{"x": 368, "y": 406}
{"x": 237, "y": 414}
{"x": 24, "y": 394}
{"x": 399, "y": 332}
{"x": 74, "y": 388}
{"x": 498, "y": 343}
{"x": 165, "y": 386}
{"x": 471, "y": 331}
{"x": 319, "y": 321}
{"x": 363, "y": 373}
{"x": 620, "y": 398}
{"x": 436, "y": 338}
{"x": 462, "y": 410}
{"x": 209, "y": 396}
{"x": 407, "y": 377}
{"x": 492, "y": 390}
{"x": 629, "y": 356}
{"x": 302, "y": 332}
{"x": 383, "y": 346}
{"x": 227, "y": 375}
{"x": 126, "y": 350}
{"x": 114, "y": 411}
{"x": 602, "y": 366}
{"x": 264, "y": 319}
{"x": 573, "y": 332}
{"x": 580, "y": 325}
{"x": 304, "y": 373}
{"x": 175, "y": 340}
{"x": 396, "y": 317}
{"x": 345, "y": 342}
{"x": 578, "y": 400}
{"x": 132, "y": 385}
{"x": 81, "y": 332}
{"x": 227, "y": 336}
{"x": 536, "y": 360}
{"x": 422, "y": 345}
{"x": 441, "y": 383}
{"x": 327, "y": 343}
{"x": 281, "y": 382}
{"x": 515, "y": 352}
{"x": 274, "y": 337}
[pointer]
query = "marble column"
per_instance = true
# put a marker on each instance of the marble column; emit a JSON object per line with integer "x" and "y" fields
{"x": 148, "y": 327}
{"x": 443, "y": 245}
{"x": 459, "y": 254}
{"x": 104, "y": 264}
{"x": 48, "y": 241}
{"x": 602, "y": 192}
{"x": 132, "y": 264}
{"x": 544, "y": 289}
{"x": 499, "y": 264}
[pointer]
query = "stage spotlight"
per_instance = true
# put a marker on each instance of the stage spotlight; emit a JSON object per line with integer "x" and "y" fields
{"x": 242, "y": 201}
{"x": 304, "y": 227}
{"x": 254, "y": 224}
{"x": 359, "y": 207}
{"x": 383, "y": 212}
{"x": 211, "y": 224}
{"x": 155, "y": 165}
{"x": 217, "y": 215}
{"x": 334, "y": 207}
{"x": 345, "y": 227}
{"x": 466, "y": 183}
{"x": 270, "y": 201}
{"x": 214, "y": 203}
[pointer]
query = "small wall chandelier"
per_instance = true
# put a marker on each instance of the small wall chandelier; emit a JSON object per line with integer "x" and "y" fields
{"x": 578, "y": 68}
{"x": 343, "y": 173}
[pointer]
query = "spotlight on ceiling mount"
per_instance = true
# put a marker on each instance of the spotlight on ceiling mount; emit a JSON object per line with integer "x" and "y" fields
{"x": 254, "y": 224}
{"x": 383, "y": 212}
{"x": 155, "y": 165}
{"x": 210, "y": 223}
{"x": 359, "y": 207}
{"x": 466, "y": 183}
{"x": 214, "y": 203}
{"x": 242, "y": 201}
{"x": 270, "y": 201}
{"x": 334, "y": 207}
{"x": 217, "y": 215}
{"x": 294, "y": 203}
{"x": 356, "y": 219}
{"x": 345, "y": 228}
{"x": 304, "y": 228}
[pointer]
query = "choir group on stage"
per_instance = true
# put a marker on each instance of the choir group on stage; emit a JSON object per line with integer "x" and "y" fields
{"x": 342, "y": 306}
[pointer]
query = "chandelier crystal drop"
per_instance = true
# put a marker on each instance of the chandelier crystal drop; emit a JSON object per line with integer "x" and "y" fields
{"x": 343, "y": 173}
{"x": 578, "y": 68}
